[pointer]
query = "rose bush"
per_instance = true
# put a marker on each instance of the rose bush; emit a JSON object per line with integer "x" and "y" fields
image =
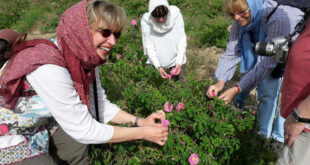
{"x": 213, "y": 131}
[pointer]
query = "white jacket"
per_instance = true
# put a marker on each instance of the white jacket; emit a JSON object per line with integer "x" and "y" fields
{"x": 164, "y": 44}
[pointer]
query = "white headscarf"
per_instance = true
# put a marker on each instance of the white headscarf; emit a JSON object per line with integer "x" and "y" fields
{"x": 173, "y": 13}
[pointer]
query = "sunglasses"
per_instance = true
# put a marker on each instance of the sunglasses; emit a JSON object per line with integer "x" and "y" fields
{"x": 107, "y": 32}
{"x": 241, "y": 14}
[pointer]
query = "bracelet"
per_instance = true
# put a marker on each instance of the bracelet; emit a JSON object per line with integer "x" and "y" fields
{"x": 136, "y": 121}
{"x": 238, "y": 88}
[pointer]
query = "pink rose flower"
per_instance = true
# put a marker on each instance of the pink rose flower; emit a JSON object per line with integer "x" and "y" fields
{"x": 3, "y": 129}
{"x": 133, "y": 22}
{"x": 118, "y": 56}
{"x": 181, "y": 106}
{"x": 168, "y": 108}
{"x": 193, "y": 159}
{"x": 213, "y": 94}
{"x": 172, "y": 72}
{"x": 169, "y": 76}
{"x": 165, "y": 123}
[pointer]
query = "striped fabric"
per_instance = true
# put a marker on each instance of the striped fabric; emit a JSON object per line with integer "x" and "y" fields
{"x": 281, "y": 23}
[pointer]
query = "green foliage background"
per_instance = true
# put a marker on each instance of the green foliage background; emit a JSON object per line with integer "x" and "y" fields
{"x": 216, "y": 132}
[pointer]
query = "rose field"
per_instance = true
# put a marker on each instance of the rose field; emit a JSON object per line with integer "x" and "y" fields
{"x": 200, "y": 130}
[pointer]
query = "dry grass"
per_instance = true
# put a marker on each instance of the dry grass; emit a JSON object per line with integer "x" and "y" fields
{"x": 35, "y": 33}
{"x": 203, "y": 63}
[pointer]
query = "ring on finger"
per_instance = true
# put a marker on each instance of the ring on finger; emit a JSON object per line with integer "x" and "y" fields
{"x": 163, "y": 139}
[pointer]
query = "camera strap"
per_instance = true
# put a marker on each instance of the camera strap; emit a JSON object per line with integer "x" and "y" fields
{"x": 96, "y": 99}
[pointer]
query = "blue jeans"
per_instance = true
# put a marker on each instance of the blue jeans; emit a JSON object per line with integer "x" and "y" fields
{"x": 268, "y": 95}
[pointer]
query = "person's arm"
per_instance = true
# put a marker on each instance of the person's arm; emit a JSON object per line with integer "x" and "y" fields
{"x": 229, "y": 60}
{"x": 181, "y": 48}
{"x": 155, "y": 133}
{"x": 54, "y": 86}
{"x": 292, "y": 128}
{"x": 227, "y": 63}
{"x": 278, "y": 25}
{"x": 304, "y": 108}
{"x": 264, "y": 65}
{"x": 111, "y": 112}
{"x": 148, "y": 44}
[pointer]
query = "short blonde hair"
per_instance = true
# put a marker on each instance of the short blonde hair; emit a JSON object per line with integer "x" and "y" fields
{"x": 234, "y": 6}
{"x": 105, "y": 15}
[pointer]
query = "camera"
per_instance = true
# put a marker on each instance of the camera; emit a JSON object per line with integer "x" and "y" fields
{"x": 278, "y": 47}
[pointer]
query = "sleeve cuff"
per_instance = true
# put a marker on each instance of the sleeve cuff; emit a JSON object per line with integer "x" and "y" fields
{"x": 111, "y": 116}
{"x": 239, "y": 86}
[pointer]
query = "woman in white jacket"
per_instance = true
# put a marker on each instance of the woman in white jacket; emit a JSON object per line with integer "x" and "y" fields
{"x": 164, "y": 39}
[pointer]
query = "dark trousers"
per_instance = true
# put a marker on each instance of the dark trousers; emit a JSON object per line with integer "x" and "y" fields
{"x": 179, "y": 77}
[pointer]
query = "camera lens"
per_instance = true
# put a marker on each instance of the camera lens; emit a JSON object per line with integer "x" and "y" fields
{"x": 264, "y": 48}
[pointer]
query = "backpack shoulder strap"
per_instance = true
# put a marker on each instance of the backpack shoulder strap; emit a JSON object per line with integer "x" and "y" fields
{"x": 31, "y": 43}
{"x": 271, "y": 13}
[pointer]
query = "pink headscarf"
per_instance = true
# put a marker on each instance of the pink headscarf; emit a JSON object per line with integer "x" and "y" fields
{"x": 77, "y": 53}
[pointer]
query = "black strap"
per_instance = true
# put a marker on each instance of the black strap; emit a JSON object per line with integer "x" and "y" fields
{"x": 96, "y": 99}
{"x": 271, "y": 13}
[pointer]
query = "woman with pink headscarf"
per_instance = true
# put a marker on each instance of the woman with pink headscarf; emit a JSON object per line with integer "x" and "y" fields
{"x": 47, "y": 98}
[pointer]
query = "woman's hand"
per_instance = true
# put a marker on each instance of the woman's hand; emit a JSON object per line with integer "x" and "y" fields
{"x": 229, "y": 94}
{"x": 177, "y": 69}
{"x": 162, "y": 72}
{"x": 229, "y": 28}
{"x": 213, "y": 90}
{"x": 155, "y": 133}
{"x": 150, "y": 120}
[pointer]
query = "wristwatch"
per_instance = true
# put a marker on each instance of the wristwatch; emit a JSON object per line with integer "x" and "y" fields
{"x": 298, "y": 118}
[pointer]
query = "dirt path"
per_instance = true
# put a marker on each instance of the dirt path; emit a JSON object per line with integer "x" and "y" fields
{"x": 203, "y": 61}
{"x": 35, "y": 33}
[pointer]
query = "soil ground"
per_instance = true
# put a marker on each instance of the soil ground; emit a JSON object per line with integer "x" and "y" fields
{"x": 203, "y": 62}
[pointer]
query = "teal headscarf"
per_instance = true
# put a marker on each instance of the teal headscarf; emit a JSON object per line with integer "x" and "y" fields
{"x": 250, "y": 34}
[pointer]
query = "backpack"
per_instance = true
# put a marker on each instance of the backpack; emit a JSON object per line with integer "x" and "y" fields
{"x": 8, "y": 39}
{"x": 301, "y": 4}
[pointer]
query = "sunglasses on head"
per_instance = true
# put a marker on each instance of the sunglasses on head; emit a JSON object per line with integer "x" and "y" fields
{"x": 107, "y": 32}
